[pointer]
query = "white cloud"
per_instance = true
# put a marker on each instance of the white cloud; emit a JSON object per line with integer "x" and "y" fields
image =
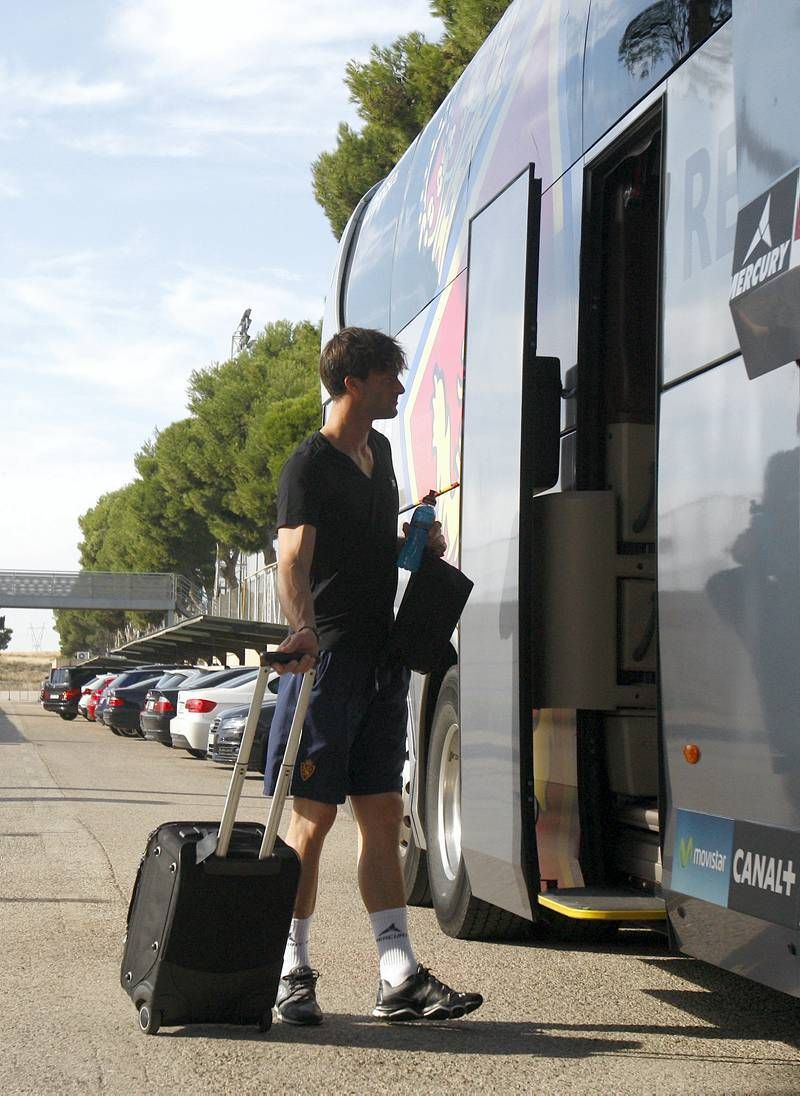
{"x": 208, "y": 42}
{"x": 36, "y": 92}
{"x": 65, "y": 319}
{"x": 122, "y": 143}
{"x": 204, "y": 301}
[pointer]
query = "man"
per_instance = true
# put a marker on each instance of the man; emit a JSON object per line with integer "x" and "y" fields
{"x": 337, "y": 578}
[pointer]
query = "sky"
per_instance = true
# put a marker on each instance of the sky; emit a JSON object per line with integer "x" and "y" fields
{"x": 154, "y": 182}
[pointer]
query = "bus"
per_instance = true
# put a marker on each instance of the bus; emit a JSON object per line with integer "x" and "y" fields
{"x": 614, "y": 737}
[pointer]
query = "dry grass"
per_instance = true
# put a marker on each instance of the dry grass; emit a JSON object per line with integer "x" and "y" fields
{"x": 22, "y": 669}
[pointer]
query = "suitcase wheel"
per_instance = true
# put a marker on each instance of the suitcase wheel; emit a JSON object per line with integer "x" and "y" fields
{"x": 149, "y": 1020}
{"x": 265, "y": 1023}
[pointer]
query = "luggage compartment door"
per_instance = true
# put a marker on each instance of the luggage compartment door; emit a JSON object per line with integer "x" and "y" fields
{"x": 495, "y": 716}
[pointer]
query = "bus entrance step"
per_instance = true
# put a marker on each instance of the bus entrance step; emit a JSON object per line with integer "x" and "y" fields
{"x": 603, "y": 904}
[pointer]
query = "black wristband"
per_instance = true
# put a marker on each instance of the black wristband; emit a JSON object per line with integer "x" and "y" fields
{"x": 309, "y": 628}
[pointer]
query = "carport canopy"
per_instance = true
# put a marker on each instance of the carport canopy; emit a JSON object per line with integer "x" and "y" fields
{"x": 201, "y": 637}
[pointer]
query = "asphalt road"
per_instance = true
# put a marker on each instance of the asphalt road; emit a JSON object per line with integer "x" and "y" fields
{"x": 75, "y": 809}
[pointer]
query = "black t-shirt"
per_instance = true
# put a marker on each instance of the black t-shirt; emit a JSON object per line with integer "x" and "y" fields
{"x": 354, "y": 569}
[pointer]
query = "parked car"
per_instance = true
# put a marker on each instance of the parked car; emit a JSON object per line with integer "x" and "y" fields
{"x": 86, "y": 691}
{"x": 161, "y": 701}
{"x": 197, "y": 707}
{"x": 62, "y": 691}
{"x": 225, "y": 735}
{"x": 126, "y": 677}
{"x": 124, "y": 705}
{"x": 94, "y": 696}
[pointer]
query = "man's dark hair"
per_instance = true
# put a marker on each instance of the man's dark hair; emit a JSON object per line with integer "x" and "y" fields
{"x": 356, "y": 352}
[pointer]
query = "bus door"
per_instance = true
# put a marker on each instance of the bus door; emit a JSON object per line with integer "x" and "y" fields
{"x": 593, "y": 560}
{"x": 496, "y": 786}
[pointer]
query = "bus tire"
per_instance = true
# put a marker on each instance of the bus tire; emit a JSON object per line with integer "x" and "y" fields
{"x": 458, "y": 912}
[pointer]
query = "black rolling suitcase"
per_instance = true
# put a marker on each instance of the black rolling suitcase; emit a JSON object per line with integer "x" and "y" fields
{"x": 212, "y": 904}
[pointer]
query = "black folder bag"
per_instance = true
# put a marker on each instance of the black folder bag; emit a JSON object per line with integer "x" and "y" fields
{"x": 429, "y": 612}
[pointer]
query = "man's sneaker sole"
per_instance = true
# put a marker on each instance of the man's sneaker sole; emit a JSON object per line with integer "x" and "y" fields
{"x": 315, "y": 1022}
{"x": 433, "y": 1012}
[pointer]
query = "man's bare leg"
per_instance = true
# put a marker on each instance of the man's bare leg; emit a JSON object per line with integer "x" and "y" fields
{"x": 380, "y": 877}
{"x": 308, "y": 828}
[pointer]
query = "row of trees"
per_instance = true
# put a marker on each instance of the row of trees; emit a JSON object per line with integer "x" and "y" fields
{"x": 207, "y": 483}
{"x": 395, "y": 93}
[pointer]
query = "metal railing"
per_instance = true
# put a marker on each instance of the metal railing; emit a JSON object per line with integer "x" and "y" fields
{"x": 23, "y": 692}
{"x": 190, "y": 600}
{"x": 256, "y": 598}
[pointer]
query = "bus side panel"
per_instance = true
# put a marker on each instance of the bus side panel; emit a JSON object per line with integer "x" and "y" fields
{"x": 729, "y": 606}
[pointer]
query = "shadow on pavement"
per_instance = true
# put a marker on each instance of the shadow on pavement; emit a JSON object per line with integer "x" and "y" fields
{"x": 457, "y": 1037}
{"x": 730, "y": 1003}
{"x": 9, "y": 735}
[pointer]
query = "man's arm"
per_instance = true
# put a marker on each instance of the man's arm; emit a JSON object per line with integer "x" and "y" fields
{"x": 295, "y": 554}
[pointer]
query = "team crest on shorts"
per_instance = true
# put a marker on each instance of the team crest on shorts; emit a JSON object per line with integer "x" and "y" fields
{"x": 307, "y": 769}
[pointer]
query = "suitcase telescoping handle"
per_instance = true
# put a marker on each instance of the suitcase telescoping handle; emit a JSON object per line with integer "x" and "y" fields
{"x": 239, "y": 773}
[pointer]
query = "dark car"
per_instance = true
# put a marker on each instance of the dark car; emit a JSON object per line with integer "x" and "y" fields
{"x": 225, "y": 736}
{"x": 125, "y": 678}
{"x": 161, "y": 701}
{"x": 124, "y": 705}
{"x": 62, "y": 690}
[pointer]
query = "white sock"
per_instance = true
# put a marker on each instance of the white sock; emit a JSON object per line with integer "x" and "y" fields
{"x": 397, "y": 958}
{"x": 296, "y": 953}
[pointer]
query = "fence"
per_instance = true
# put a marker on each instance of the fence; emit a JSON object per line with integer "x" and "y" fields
{"x": 255, "y": 599}
{"x": 23, "y": 692}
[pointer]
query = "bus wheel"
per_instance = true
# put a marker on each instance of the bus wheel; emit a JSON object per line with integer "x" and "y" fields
{"x": 459, "y": 913}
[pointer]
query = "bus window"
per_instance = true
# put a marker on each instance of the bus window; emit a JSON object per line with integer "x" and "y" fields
{"x": 701, "y": 212}
{"x": 369, "y": 278}
{"x": 434, "y": 209}
{"x": 631, "y": 45}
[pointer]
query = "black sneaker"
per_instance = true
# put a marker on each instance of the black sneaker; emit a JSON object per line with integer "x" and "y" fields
{"x": 297, "y": 1000}
{"x": 423, "y": 997}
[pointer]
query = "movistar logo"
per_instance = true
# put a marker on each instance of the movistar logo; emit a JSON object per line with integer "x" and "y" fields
{"x": 685, "y": 850}
{"x": 698, "y": 857}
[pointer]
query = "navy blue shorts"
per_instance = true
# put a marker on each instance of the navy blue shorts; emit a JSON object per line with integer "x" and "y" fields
{"x": 354, "y": 736}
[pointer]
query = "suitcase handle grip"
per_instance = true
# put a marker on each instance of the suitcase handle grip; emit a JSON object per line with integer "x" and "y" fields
{"x": 277, "y": 658}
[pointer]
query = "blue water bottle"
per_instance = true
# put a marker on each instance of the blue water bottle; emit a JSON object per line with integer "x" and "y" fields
{"x": 422, "y": 519}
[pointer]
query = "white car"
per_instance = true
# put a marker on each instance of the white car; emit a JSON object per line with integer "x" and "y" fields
{"x": 197, "y": 707}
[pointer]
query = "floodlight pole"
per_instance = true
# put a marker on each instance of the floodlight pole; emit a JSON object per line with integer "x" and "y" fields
{"x": 240, "y": 339}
